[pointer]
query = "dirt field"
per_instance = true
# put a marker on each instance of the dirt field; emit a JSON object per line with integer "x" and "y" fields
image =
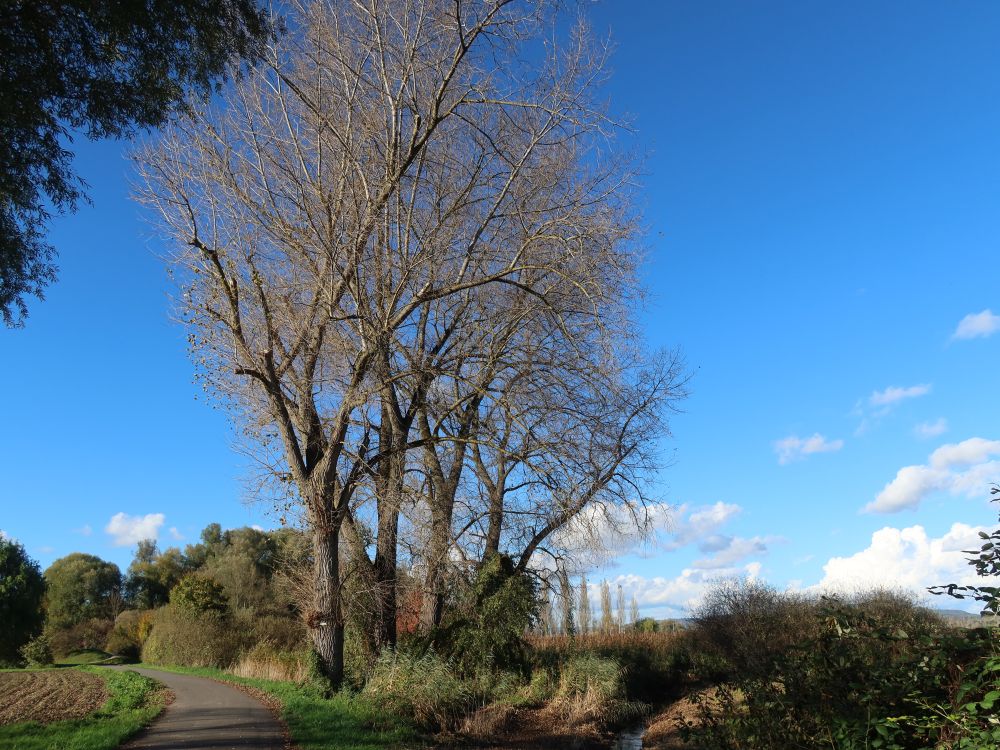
{"x": 49, "y": 695}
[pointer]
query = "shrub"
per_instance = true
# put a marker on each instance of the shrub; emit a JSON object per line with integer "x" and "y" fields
{"x": 199, "y": 593}
{"x": 37, "y": 652}
{"x": 89, "y": 634}
{"x": 184, "y": 637}
{"x": 749, "y": 623}
{"x": 879, "y": 672}
{"x": 129, "y": 633}
{"x": 423, "y": 687}
{"x": 486, "y": 635}
{"x": 281, "y": 633}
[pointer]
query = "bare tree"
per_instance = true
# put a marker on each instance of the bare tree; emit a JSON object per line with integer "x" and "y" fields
{"x": 353, "y": 222}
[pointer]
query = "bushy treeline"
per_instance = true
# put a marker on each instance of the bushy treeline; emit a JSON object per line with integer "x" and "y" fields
{"x": 873, "y": 670}
{"x": 204, "y": 605}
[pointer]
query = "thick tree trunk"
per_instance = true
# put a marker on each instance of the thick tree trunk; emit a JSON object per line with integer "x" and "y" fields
{"x": 385, "y": 573}
{"x": 432, "y": 604}
{"x": 326, "y": 621}
{"x": 390, "y": 492}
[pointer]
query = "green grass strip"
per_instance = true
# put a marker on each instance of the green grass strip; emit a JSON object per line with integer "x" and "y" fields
{"x": 134, "y": 702}
{"x": 345, "y": 721}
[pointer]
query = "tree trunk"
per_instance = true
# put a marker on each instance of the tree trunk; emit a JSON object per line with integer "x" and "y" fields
{"x": 390, "y": 492}
{"x": 432, "y": 605}
{"x": 326, "y": 621}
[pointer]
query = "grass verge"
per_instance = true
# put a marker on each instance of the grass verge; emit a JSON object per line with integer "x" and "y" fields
{"x": 87, "y": 656}
{"x": 345, "y": 721}
{"x": 134, "y": 702}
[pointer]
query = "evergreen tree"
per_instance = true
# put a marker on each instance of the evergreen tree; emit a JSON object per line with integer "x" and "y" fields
{"x": 607, "y": 616}
{"x": 584, "y": 615}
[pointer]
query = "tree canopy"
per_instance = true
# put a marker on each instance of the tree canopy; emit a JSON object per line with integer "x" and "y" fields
{"x": 21, "y": 591}
{"x": 101, "y": 69}
{"x": 408, "y": 251}
{"x": 79, "y": 588}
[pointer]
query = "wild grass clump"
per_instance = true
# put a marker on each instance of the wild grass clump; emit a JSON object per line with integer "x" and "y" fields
{"x": 423, "y": 687}
{"x": 591, "y": 688}
{"x": 656, "y": 664}
{"x": 264, "y": 662}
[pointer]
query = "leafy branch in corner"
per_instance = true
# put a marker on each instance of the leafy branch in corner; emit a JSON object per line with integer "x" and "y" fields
{"x": 986, "y": 561}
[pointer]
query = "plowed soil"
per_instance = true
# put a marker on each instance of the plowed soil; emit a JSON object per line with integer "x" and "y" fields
{"x": 49, "y": 695}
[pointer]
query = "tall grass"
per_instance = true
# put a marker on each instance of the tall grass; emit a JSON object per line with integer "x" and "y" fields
{"x": 264, "y": 663}
{"x": 424, "y": 687}
{"x": 654, "y": 664}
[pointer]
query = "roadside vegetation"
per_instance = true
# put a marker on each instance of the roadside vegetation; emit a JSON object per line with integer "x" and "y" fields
{"x": 80, "y": 708}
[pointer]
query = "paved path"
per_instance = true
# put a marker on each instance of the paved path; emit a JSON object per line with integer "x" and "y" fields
{"x": 207, "y": 715}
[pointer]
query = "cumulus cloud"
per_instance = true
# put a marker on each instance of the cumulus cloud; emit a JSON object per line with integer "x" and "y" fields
{"x": 968, "y": 452}
{"x": 794, "y": 448}
{"x": 175, "y": 534}
{"x": 977, "y": 325}
{"x": 905, "y": 558}
{"x": 127, "y": 530}
{"x": 84, "y": 530}
{"x": 965, "y": 468}
{"x": 931, "y": 429}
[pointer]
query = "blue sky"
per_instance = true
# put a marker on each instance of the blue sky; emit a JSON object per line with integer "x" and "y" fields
{"x": 822, "y": 195}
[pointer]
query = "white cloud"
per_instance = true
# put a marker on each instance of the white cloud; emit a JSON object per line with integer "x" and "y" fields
{"x": 85, "y": 530}
{"x": 977, "y": 325}
{"x": 931, "y": 429}
{"x": 672, "y": 597}
{"x": 5, "y": 536}
{"x": 127, "y": 530}
{"x": 257, "y": 527}
{"x": 880, "y": 403}
{"x": 905, "y": 558}
{"x": 175, "y": 534}
{"x": 894, "y": 394}
{"x": 699, "y": 524}
{"x": 959, "y": 468}
{"x": 793, "y": 448}
{"x": 598, "y": 535}
{"x": 966, "y": 453}
{"x": 736, "y": 549}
